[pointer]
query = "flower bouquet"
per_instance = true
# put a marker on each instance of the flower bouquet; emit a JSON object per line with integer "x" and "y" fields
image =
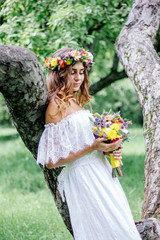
{"x": 112, "y": 127}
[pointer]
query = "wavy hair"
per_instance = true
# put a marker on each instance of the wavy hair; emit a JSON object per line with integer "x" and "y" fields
{"x": 59, "y": 85}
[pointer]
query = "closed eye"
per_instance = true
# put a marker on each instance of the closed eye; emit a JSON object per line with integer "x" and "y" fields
{"x": 73, "y": 72}
{"x": 81, "y": 71}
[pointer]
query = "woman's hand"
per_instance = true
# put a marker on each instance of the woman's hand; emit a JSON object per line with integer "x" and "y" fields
{"x": 117, "y": 153}
{"x": 106, "y": 147}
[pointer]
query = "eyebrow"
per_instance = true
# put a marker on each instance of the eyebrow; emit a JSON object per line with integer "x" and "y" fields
{"x": 76, "y": 69}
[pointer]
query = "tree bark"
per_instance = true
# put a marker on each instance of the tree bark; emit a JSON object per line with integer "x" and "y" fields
{"x": 25, "y": 91}
{"x": 149, "y": 229}
{"x": 137, "y": 54}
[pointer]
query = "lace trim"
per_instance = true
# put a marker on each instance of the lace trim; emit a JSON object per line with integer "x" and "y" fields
{"x": 69, "y": 135}
{"x": 61, "y": 180}
{"x": 66, "y": 118}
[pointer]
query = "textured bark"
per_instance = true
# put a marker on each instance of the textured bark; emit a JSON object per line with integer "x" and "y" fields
{"x": 24, "y": 88}
{"x": 142, "y": 64}
{"x": 149, "y": 228}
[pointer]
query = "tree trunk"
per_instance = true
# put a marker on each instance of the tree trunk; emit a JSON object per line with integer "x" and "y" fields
{"x": 25, "y": 91}
{"x": 142, "y": 64}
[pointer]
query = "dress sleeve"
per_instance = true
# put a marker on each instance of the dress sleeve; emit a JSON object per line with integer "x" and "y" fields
{"x": 59, "y": 140}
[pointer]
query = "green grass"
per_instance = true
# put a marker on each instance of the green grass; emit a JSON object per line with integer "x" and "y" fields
{"x": 27, "y": 208}
{"x": 133, "y": 168}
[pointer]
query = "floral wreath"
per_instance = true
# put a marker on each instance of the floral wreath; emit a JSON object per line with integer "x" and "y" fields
{"x": 70, "y": 58}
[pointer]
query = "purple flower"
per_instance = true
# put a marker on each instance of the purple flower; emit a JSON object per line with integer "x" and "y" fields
{"x": 104, "y": 135}
{"x": 122, "y": 121}
{"x": 96, "y": 136}
{"x": 122, "y": 126}
{"x": 65, "y": 55}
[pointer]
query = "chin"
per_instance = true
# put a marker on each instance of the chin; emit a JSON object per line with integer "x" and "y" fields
{"x": 76, "y": 89}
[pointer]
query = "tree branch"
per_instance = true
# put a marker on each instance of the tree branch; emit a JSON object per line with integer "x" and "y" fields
{"x": 115, "y": 63}
{"x": 106, "y": 81}
{"x": 112, "y": 77}
{"x": 96, "y": 26}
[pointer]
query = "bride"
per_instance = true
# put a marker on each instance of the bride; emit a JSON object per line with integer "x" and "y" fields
{"x": 97, "y": 204}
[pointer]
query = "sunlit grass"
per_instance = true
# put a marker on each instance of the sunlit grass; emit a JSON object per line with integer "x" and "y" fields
{"x": 133, "y": 168}
{"x": 27, "y": 207}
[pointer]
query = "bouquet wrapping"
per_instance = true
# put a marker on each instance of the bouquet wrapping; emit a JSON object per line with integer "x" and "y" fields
{"x": 112, "y": 127}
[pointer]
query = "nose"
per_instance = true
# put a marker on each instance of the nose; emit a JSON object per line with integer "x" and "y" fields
{"x": 77, "y": 77}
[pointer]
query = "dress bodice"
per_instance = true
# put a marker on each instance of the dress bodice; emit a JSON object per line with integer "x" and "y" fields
{"x": 71, "y": 134}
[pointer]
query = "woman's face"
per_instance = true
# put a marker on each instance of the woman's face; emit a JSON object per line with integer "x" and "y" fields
{"x": 77, "y": 75}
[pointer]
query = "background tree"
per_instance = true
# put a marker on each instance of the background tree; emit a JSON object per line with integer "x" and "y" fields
{"x": 142, "y": 64}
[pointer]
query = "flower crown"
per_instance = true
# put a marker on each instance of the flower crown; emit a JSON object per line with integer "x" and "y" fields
{"x": 70, "y": 58}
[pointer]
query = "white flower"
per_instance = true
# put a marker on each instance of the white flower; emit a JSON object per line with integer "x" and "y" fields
{"x": 90, "y": 56}
{"x": 107, "y": 129}
{"x": 124, "y": 130}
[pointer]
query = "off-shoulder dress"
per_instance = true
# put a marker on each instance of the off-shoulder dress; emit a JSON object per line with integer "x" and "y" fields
{"x": 97, "y": 204}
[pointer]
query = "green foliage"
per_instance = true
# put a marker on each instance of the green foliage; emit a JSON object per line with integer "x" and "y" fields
{"x": 26, "y": 204}
{"x": 43, "y": 26}
{"x": 4, "y": 113}
{"x": 119, "y": 96}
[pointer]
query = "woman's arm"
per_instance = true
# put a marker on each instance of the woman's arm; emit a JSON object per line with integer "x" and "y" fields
{"x": 97, "y": 145}
{"x": 72, "y": 157}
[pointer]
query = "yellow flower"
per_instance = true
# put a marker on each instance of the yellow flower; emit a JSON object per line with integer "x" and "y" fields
{"x": 95, "y": 129}
{"x": 111, "y": 135}
{"x": 95, "y": 115}
{"x": 100, "y": 134}
{"x": 84, "y": 60}
{"x": 54, "y": 62}
{"x": 103, "y": 130}
{"x": 115, "y": 127}
{"x": 69, "y": 62}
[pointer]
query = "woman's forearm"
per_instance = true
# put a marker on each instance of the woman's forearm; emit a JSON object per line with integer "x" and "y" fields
{"x": 72, "y": 157}
{"x": 97, "y": 145}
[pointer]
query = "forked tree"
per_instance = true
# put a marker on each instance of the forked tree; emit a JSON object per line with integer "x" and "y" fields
{"x": 24, "y": 88}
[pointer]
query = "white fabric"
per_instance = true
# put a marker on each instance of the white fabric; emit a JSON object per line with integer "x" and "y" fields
{"x": 68, "y": 135}
{"x": 97, "y": 204}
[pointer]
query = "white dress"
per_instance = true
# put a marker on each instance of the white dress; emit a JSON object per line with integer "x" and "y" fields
{"x": 97, "y": 204}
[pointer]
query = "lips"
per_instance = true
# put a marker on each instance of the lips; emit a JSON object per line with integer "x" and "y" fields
{"x": 76, "y": 84}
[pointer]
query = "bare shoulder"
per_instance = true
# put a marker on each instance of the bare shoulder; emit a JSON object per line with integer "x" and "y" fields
{"x": 52, "y": 115}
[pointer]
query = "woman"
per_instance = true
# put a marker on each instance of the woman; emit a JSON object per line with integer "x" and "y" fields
{"x": 97, "y": 204}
